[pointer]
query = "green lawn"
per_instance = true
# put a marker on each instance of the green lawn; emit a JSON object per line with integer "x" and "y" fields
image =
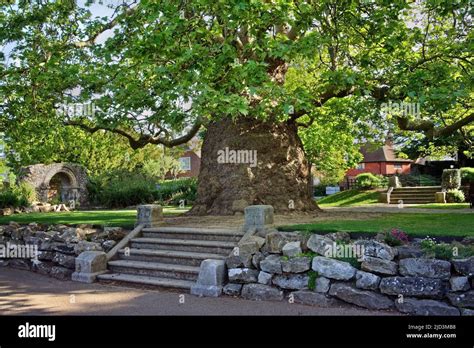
{"x": 441, "y": 206}
{"x": 349, "y": 198}
{"x": 124, "y": 218}
{"x": 456, "y": 225}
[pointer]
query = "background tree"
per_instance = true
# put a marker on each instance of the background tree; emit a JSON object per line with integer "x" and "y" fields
{"x": 171, "y": 67}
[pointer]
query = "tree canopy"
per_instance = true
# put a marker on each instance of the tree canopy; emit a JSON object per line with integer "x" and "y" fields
{"x": 157, "y": 71}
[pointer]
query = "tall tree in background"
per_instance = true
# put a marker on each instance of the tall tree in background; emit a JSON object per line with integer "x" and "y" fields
{"x": 258, "y": 75}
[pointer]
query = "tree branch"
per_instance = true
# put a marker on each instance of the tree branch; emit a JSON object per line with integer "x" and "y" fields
{"x": 379, "y": 93}
{"x": 141, "y": 140}
{"x": 430, "y": 129}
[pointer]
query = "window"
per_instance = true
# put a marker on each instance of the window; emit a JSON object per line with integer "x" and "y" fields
{"x": 361, "y": 166}
{"x": 185, "y": 163}
{"x": 397, "y": 166}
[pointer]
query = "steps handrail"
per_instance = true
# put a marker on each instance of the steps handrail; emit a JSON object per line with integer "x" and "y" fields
{"x": 120, "y": 245}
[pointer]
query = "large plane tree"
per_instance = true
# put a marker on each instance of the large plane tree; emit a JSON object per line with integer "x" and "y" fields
{"x": 269, "y": 76}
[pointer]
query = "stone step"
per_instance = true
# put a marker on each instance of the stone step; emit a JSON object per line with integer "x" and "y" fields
{"x": 154, "y": 269}
{"x": 401, "y": 195}
{"x": 148, "y": 281}
{"x": 168, "y": 256}
{"x": 413, "y": 201}
{"x": 202, "y": 246}
{"x": 188, "y": 233}
{"x": 418, "y": 189}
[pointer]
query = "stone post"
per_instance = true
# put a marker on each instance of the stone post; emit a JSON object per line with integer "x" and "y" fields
{"x": 440, "y": 197}
{"x": 384, "y": 197}
{"x": 212, "y": 275}
{"x": 258, "y": 217}
{"x": 394, "y": 181}
{"x": 89, "y": 264}
{"x": 150, "y": 215}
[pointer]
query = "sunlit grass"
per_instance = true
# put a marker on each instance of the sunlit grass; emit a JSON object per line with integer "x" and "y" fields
{"x": 422, "y": 225}
{"x": 349, "y": 198}
{"x": 124, "y": 218}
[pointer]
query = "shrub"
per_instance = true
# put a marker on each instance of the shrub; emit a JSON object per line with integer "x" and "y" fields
{"x": 123, "y": 189}
{"x": 446, "y": 251}
{"x": 120, "y": 191}
{"x": 26, "y": 192}
{"x": 455, "y": 196}
{"x": 451, "y": 179}
{"x": 9, "y": 199}
{"x": 396, "y": 237}
{"x": 467, "y": 175}
{"x": 366, "y": 181}
{"x": 418, "y": 180}
{"x": 172, "y": 191}
{"x": 320, "y": 190}
{"x": 15, "y": 196}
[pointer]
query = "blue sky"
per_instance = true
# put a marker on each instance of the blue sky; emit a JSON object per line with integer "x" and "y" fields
{"x": 97, "y": 9}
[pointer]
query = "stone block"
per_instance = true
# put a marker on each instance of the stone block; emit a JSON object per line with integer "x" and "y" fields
{"x": 89, "y": 265}
{"x": 258, "y": 217}
{"x": 429, "y": 268}
{"x": 243, "y": 275}
{"x": 362, "y": 298}
{"x": 292, "y": 249}
{"x": 265, "y": 278}
{"x": 333, "y": 269}
{"x": 212, "y": 272}
{"x": 314, "y": 299}
{"x": 440, "y": 197}
{"x": 212, "y": 275}
{"x": 232, "y": 289}
{"x": 260, "y": 292}
{"x": 414, "y": 306}
{"x": 149, "y": 215}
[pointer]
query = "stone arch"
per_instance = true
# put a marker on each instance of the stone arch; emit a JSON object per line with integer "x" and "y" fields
{"x": 67, "y": 178}
{"x": 68, "y": 172}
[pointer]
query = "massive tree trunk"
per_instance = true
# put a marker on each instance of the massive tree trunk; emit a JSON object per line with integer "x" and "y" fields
{"x": 280, "y": 176}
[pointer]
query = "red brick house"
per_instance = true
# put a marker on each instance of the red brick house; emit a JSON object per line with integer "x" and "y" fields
{"x": 381, "y": 161}
{"x": 190, "y": 164}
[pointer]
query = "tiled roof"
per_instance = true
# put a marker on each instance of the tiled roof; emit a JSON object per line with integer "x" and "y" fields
{"x": 385, "y": 153}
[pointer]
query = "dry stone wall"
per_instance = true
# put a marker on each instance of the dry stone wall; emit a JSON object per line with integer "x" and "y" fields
{"x": 296, "y": 267}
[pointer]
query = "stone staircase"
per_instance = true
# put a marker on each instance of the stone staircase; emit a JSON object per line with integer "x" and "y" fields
{"x": 169, "y": 257}
{"x": 414, "y": 195}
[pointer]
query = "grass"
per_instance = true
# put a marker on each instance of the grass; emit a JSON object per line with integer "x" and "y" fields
{"x": 441, "y": 206}
{"x": 349, "y": 198}
{"x": 123, "y": 218}
{"x": 419, "y": 225}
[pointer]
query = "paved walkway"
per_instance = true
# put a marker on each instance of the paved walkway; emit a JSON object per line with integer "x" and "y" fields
{"x": 28, "y": 293}
{"x": 385, "y": 208}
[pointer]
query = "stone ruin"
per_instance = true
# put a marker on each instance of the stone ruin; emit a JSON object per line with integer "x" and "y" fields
{"x": 64, "y": 182}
